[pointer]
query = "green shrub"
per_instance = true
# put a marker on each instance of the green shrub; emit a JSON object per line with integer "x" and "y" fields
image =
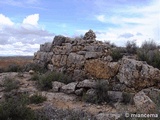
{"x": 14, "y": 108}
{"x": 152, "y": 57}
{"x": 45, "y": 81}
{"x": 117, "y": 54}
{"x": 10, "y": 84}
{"x": 149, "y": 45}
{"x": 100, "y": 94}
{"x": 131, "y": 47}
{"x": 36, "y": 99}
{"x": 35, "y": 77}
{"x": 64, "y": 78}
{"x": 14, "y": 68}
{"x": 149, "y": 52}
{"x": 36, "y": 67}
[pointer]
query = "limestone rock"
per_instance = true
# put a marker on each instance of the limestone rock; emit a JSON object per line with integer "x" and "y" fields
{"x": 138, "y": 75}
{"x": 90, "y": 55}
{"x": 115, "y": 96}
{"x": 144, "y": 103}
{"x": 69, "y": 88}
{"x": 101, "y": 69}
{"x": 31, "y": 72}
{"x": 86, "y": 84}
{"x": 90, "y": 35}
{"x": 58, "y": 40}
{"x": 56, "y": 86}
{"x": 46, "y": 47}
{"x": 79, "y": 92}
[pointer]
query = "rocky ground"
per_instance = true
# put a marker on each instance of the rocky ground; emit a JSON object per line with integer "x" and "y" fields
{"x": 60, "y": 103}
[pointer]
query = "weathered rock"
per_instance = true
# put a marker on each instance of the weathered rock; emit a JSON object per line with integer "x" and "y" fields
{"x": 78, "y": 75}
{"x": 76, "y": 59}
{"x": 137, "y": 75}
{"x": 108, "y": 58}
{"x": 87, "y": 84}
{"x": 90, "y": 93}
{"x": 143, "y": 103}
{"x": 101, "y": 69}
{"x": 56, "y": 60}
{"x": 58, "y": 40}
{"x": 31, "y": 72}
{"x": 90, "y": 55}
{"x": 69, "y": 88}
{"x": 90, "y": 35}
{"x": 153, "y": 94}
{"x": 46, "y": 47}
{"x": 56, "y": 86}
{"x": 115, "y": 96}
{"x": 79, "y": 92}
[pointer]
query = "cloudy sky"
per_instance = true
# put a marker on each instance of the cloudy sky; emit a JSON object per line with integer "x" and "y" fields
{"x": 24, "y": 24}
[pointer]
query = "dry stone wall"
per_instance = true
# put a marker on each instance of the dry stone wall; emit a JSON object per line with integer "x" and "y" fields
{"x": 87, "y": 58}
{"x": 74, "y": 56}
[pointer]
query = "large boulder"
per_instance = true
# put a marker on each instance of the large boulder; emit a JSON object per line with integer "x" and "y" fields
{"x": 56, "y": 86}
{"x": 58, "y": 40}
{"x": 46, "y": 47}
{"x": 143, "y": 103}
{"x": 137, "y": 74}
{"x": 101, "y": 69}
{"x": 87, "y": 84}
{"x": 69, "y": 88}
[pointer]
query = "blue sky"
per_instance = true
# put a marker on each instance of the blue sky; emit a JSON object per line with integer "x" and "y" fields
{"x": 24, "y": 24}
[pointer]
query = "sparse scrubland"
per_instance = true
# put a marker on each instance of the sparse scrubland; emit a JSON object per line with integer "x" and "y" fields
{"x": 81, "y": 78}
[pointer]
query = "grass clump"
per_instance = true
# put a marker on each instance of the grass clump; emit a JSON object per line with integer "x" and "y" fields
{"x": 36, "y": 99}
{"x": 10, "y": 84}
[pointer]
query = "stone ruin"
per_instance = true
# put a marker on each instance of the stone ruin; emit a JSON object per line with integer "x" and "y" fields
{"x": 88, "y": 58}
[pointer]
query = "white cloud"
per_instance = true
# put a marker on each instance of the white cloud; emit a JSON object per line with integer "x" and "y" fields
{"x": 31, "y": 19}
{"x": 5, "y": 20}
{"x": 101, "y": 18}
{"x": 22, "y": 38}
{"x": 143, "y": 20}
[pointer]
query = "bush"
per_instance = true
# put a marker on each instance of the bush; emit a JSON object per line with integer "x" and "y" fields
{"x": 36, "y": 67}
{"x": 36, "y": 99}
{"x": 100, "y": 94}
{"x": 149, "y": 45}
{"x": 117, "y": 54}
{"x": 152, "y": 57}
{"x": 14, "y": 108}
{"x": 35, "y": 77}
{"x": 61, "y": 77}
{"x": 131, "y": 47}
{"x": 44, "y": 81}
{"x": 14, "y": 68}
{"x": 10, "y": 84}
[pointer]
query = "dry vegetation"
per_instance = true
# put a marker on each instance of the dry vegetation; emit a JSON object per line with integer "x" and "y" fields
{"x": 5, "y": 62}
